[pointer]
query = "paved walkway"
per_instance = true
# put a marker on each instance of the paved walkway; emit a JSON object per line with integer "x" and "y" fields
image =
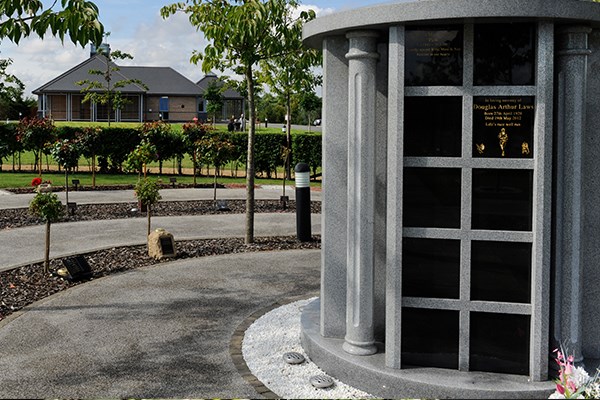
{"x": 157, "y": 332}
{"x": 161, "y": 331}
{"x": 24, "y": 246}
{"x": 11, "y": 200}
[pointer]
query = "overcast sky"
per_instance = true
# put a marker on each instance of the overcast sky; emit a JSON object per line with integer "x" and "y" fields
{"x": 137, "y": 28}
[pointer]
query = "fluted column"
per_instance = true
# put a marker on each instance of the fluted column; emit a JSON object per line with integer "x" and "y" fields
{"x": 362, "y": 60}
{"x": 572, "y": 86}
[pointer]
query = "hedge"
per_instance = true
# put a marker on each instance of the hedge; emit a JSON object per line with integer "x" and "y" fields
{"x": 117, "y": 143}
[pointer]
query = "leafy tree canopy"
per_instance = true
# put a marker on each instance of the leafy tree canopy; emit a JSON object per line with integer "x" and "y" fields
{"x": 107, "y": 91}
{"x": 77, "y": 19}
{"x": 240, "y": 34}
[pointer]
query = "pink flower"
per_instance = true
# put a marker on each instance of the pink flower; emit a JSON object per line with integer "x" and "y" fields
{"x": 560, "y": 389}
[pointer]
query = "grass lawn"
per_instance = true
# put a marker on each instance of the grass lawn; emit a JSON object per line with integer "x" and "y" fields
{"x": 177, "y": 127}
{"x": 23, "y": 179}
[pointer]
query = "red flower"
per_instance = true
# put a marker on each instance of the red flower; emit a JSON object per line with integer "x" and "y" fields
{"x": 36, "y": 181}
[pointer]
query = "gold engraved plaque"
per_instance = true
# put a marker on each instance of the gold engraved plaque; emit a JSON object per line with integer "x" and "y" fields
{"x": 506, "y": 120}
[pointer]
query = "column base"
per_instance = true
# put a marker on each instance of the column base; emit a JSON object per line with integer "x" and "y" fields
{"x": 359, "y": 349}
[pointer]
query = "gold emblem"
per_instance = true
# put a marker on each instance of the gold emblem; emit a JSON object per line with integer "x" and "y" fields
{"x": 525, "y": 148}
{"x": 480, "y": 148}
{"x": 503, "y": 136}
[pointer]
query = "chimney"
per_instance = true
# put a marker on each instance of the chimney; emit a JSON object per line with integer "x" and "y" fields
{"x": 104, "y": 49}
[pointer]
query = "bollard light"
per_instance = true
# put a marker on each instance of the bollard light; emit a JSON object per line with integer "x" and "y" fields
{"x": 303, "y": 225}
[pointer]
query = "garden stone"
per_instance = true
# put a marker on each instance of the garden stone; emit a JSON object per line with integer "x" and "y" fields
{"x": 161, "y": 244}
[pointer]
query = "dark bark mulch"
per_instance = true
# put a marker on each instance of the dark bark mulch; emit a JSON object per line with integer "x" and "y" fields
{"x": 20, "y": 287}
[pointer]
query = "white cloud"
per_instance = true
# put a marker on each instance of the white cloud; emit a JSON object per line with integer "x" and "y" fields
{"x": 318, "y": 10}
{"x": 167, "y": 43}
{"x": 155, "y": 42}
{"x": 37, "y": 61}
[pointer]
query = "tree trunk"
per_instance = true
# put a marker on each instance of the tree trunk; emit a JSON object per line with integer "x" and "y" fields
{"x": 47, "y": 252}
{"x": 250, "y": 163}
{"x": 194, "y": 167}
{"x": 67, "y": 189}
{"x": 288, "y": 110}
{"x": 215, "y": 187}
{"x": 94, "y": 171}
{"x": 39, "y": 161}
{"x": 149, "y": 213}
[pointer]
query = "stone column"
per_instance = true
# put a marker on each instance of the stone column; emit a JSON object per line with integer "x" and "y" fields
{"x": 362, "y": 61}
{"x": 572, "y": 48}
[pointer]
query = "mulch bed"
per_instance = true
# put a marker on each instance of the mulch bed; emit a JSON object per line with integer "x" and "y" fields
{"x": 22, "y": 286}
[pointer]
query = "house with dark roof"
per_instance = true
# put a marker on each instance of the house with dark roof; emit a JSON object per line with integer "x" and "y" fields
{"x": 169, "y": 95}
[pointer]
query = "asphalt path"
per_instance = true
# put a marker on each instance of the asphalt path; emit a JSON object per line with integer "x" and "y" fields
{"x": 157, "y": 332}
{"x": 23, "y": 246}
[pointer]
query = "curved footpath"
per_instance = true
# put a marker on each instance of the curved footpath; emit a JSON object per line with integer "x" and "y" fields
{"x": 161, "y": 331}
{"x": 24, "y": 246}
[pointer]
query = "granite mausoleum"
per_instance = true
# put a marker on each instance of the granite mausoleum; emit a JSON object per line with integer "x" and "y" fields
{"x": 461, "y": 204}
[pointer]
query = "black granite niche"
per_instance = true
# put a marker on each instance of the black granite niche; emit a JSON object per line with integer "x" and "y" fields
{"x": 503, "y": 127}
{"x": 430, "y": 268}
{"x": 430, "y": 338}
{"x": 433, "y": 126}
{"x": 502, "y": 199}
{"x": 504, "y": 54}
{"x": 434, "y": 56}
{"x": 501, "y": 271}
{"x": 432, "y": 197}
{"x": 499, "y": 343}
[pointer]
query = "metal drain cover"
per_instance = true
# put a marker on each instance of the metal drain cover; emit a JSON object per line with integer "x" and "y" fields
{"x": 321, "y": 381}
{"x": 293, "y": 358}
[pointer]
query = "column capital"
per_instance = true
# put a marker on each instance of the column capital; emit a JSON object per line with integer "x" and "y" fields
{"x": 363, "y": 45}
{"x": 572, "y": 40}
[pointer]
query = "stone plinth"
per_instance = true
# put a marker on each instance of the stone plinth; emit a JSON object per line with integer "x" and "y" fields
{"x": 161, "y": 244}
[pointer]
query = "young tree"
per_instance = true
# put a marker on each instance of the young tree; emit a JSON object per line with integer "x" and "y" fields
{"x": 140, "y": 157}
{"x": 241, "y": 33}
{"x": 36, "y": 133}
{"x": 66, "y": 153}
{"x": 10, "y": 144}
{"x": 192, "y": 133}
{"x": 214, "y": 98}
{"x": 48, "y": 207}
{"x": 77, "y": 19}
{"x": 160, "y": 135}
{"x": 108, "y": 93}
{"x": 147, "y": 193}
{"x": 216, "y": 150}
{"x": 90, "y": 141}
{"x": 310, "y": 103}
{"x": 291, "y": 72}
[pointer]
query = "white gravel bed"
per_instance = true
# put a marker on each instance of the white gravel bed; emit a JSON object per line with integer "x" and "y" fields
{"x": 275, "y": 334}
